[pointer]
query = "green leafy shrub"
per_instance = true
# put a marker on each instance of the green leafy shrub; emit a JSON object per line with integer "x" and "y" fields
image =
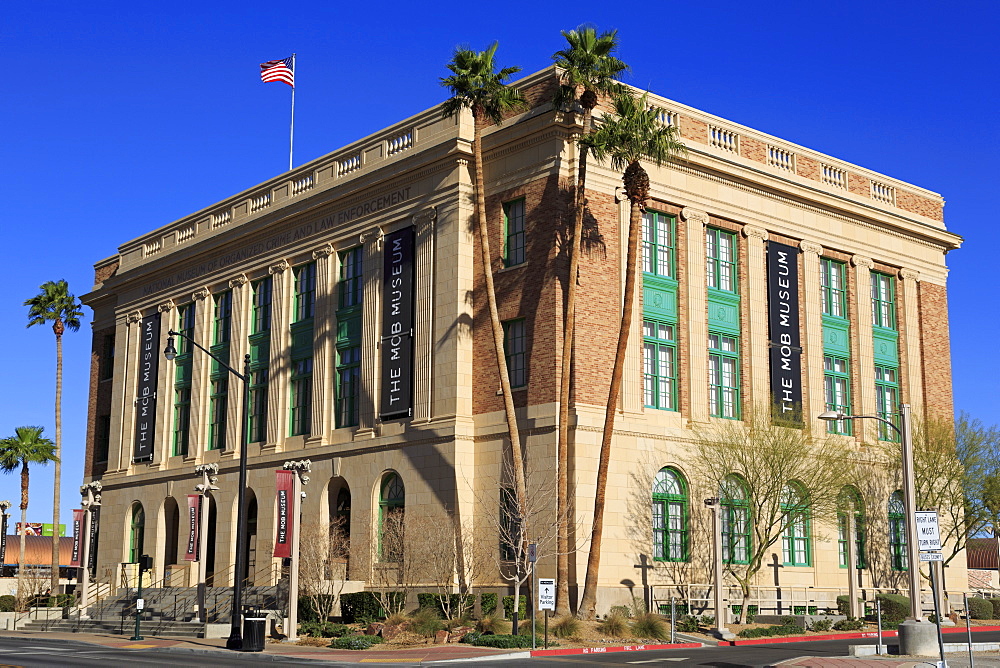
{"x": 622, "y": 610}
{"x": 615, "y": 624}
{"x": 895, "y": 608}
{"x": 980, "y": 608}
{"x": 306, "y": 611}
{"x": 356, "y": 642}
{"x": 679, "y": 609}
{"x": 7, "y": 603}
{"x": 751, "y": 612}
{"x": 323, "y": 629}
{"x": 426, "y": 622}
{"x": 849, "y": 624}
{"x": 428, "y": 601}
{"x": 769, "y": 631}
{"x": 364, "y": 606}
{"x": 687, "y": 624}
{"x": 503, "y": 641}
{"x": 471, "y": 637}
{"x": 843, "y": 605}
{"x": 996, "y": 607}
{"x": 508, "y": 606}
{"x": 488, "y": 602}
{"x": 707, "y": 620}
{"x": 650, "y": 626}
{"x": 821, "y": 625}
{"x": 565, "y": 627}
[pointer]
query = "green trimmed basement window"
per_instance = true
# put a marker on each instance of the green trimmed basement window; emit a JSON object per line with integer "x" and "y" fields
{"x": 735, "y": 508}
{"x": 670, "y": 516}
{"x": 897, "y": 533}
{"x": 723, "y": 376}
{"x": 659, "y": 353}
{"x": 795, "y": 545}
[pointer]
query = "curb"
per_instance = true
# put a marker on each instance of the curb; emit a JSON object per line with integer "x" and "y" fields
{"x": 845, "y": 636}
{"x": 617, "y": 648}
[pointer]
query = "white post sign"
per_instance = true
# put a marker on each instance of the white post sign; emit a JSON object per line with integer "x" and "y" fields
{"x": 546, "y": 594}
{"x": 928, "y": 533}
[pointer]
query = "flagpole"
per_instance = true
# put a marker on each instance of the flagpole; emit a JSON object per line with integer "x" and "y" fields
{"x": 291, "y": 136}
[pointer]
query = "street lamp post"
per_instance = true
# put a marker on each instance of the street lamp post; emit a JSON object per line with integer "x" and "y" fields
{"x": 235, "y": 640}
{"x": 91, "y": 493}
{"x": 209, "y": 476}
{"x": 907, "y": 631}
{"x": 301, "y": 468}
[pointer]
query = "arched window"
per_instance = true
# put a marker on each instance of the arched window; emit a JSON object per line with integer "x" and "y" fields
{"x": 391, "y": 508}
{"x": 136, "y": 531}
{"x": 795, "y": 547}
{"x": 670, "y": 516}
{"x": 735, "y": 521}
{"x": 851, "y": 504}
{"x": 897, "y": 532}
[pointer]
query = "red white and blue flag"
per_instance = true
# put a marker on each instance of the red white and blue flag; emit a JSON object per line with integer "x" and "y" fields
{"x": 279, "y": 70}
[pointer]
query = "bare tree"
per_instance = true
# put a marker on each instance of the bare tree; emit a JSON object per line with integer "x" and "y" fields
{"x": 394, "y": 568}
{"x": 769, "y": 477}
{"x": 323, "y": 554}
{"x": 452, "y": 561}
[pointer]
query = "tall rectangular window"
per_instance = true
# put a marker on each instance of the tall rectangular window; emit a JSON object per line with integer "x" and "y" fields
{"x": 182, "y": 380}
{"x": 837, "y": 387}
{"x": 723, "y": 376}
{"x": 262, "y": 306}
{"x": 834, "y": 285}
{"x": 514, "y": 348}
{"x": 658, "y": 243}
{"x": 102, "y": 438}
{"x": 301, "y": 422}
{"x": 659, "y": 352}
{"x": 349, "y": 385}
{"x": 350, "y": 291}
{"x": 217, "y": 414}
{"x": 514, "y": 241}
{"x": 883, "y": 300}
{"x": 260, "y": 359}
{"x": 735, "y": 532}
{"x": 859, "y": 540}
{"x": 721, "y": 259}
{"x": 305, "y": 291}
{"x": 107, "y": 365}
{"x": 887, "y": 401}
{"x": 258, "y": 405}
{"x": 223, "y": 318}
{"x": 795, "y": 547}
{"x": 349, "y": 310}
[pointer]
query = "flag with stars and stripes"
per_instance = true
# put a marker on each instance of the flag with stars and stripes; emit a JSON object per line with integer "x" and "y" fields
{"x": 278, "y": 70}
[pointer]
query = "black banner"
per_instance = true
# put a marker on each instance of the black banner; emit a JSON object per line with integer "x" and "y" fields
{"x": 783, "y": 320}
{"x": 145, "y": 398}
{"x": 95, "y": 519}
{"x": 397, "y": 325}
{"x": 74, "y": 559}
{"x": 3, "y": 542}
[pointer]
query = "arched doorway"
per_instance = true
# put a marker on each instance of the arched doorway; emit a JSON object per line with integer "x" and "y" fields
{"x": 137, "y": 531}
{"x": 251, "y": 544}
{"x": 210, "y": 540}
{"x": 339, "y": 506}
{"x": 172, "y": 519}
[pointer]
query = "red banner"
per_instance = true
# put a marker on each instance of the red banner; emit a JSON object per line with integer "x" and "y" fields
{"x": 286, "y": 523}
{"x": 194, "y": 521}
{"x": 77, "y": 528}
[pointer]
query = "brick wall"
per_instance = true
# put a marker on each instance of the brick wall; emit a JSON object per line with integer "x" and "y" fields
{"x": 935, "y": 350}
{"x": 98, "y": 402}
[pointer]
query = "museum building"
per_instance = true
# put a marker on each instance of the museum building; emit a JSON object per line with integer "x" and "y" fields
{"x": 354, "y": 284}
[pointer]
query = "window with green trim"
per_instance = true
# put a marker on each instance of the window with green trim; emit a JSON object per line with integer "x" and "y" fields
{"x": 182, "y": 380}
{"x": 514, "y": 236}
{"x": 349, "y": 310}
{"x": 883, "y": 300}
{"x": 217, "y": 414}
{"x": 260, "y": 358}
{"x": 735, "y": 509}
{"x": 897, "y": 533}
{"x": 262, "y": 305}
{"x": 223, "y": 318}
{"x": 301, "y": 418}
{"x": 837, "y": 387}
{"x": 350, "y": 286}
{"x": 659, "y": 353}
{"x": 658, "y": 244}
{"x": 887, "y": 401}
{"x": 796, "y": 549}
{"x": 305, "y": 291}
{"x": 392, "y": 515}
{"x": 348, "y": 385}
{"x": 670, "y": 516}
{"x": 514, "y": 349}
{"x": 720, "y": 267}
{"x": 834, "y": 285}
{"x": 258, "y": 405}
{"x": 851, "y": 504}
{"x": 723, "y": 376}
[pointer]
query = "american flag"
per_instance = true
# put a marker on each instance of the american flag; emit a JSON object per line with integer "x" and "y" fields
{"x": 278, "y": 70}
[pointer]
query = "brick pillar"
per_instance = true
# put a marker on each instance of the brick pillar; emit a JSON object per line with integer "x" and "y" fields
{"x": 912, "y": 387}
{"x": 370, "y": 332}
{"x": 279, "y": 373}
{"x": 813, "y": 395}
{"x": 756, "y": 335}
{"x": 324, "y": 337}
{"x": 697, "y": 324}
{"x": 864, "y": 366}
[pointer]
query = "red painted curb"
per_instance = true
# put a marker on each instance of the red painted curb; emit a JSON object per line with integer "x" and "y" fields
{"x": 604, "y": 650}
{"x": 846, "y": 636}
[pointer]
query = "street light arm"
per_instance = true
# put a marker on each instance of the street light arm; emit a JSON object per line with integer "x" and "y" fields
{"x": 209, "y": 353}
{"x": 834, "y": 416}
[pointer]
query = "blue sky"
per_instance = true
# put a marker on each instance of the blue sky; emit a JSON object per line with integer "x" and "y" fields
{"x": 121, "y": 117}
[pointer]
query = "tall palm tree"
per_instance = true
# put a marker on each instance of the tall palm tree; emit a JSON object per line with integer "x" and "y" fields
{"x": 26, "y": 446}
{"x": 477, "y": 85}
{"x": 57, "y": 305}
{"x": 588, "y": 69}
{"x": 631, "y": 134}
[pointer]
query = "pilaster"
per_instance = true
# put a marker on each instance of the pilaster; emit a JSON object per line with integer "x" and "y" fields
{"x": 631, "y": 392}
{"x": 164, "y": 437}
{"x": 423, "y": 377}
{"x": 239, "y": 345}
{"x": 324, "y": 336}
{"x": 756, "y": 337}
{"x": 201, "y": 367}
{"x": 370, "y": 320}
{"x": 697, "y": 324}
{"x": 861, "y": 330}
{"x": 813, "y": 398}
{"x": 279, "y": 372}
{"x": 127, "y": 331}
{"x": 913, "y": 391}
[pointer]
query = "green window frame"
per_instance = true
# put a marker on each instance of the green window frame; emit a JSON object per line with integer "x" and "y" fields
{"x": 350, "y": 285}
{"x": 102, "y": 438}
{"x": 837, "y": 391}
{"x": 670, "y": 516}
{"x": 514, "y": 233}
{"x": 659, "y": 365}
{"x": 137, "y": 532}
{"x": 851, "y": 503}
{"x": 258, "y": 405}
{"x": 219, "y": 405}
{"x": 897, "y": 533}
{"x": 887, "y": 401}
{"x": 305, "y": 292}
{"x": 833, "y": 280}
{"x": 735, "y": 506}
{"x": 261, "y": 311}
{"x": 223, "y": 323}
{"x": 720, "y": 267}
{"x": 883, "y": 300}
{"x": 391, "y": 509}
{"x": 348, "y": 385}
{"x": 796, "y": 548}
{"x": 515, "y": 352}
{"x": 723, "y": 376}
{"x": 659, "y": 242}
{"x": 301, "y": 408}
{"x": 182, "y": 380}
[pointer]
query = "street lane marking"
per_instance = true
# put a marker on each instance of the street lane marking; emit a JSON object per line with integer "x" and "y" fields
{"x": 672, "y": 658}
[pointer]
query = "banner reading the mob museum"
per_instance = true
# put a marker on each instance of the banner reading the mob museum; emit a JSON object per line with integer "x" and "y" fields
{"x": 283, "y": 538}
{"x": 194, "y": 508}
{"x": 74, "y": 559}
{"x": 145, "y": 396}
{"x": 783, "y": 318}
{"x": 397, "y": 325}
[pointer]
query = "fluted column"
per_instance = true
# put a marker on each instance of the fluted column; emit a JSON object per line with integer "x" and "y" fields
{"x": 370, "y": 320}
{"x": 813, "y": 397}
{"x": 861, "y": 331}
{"x": 279, "y": 373}
{"x": 164, "y": 439}
{"x": 201, "y": 367}
{"x": 123, "y": 414}
{"x": 239, "y": 345}
{"x": 756, "y": 335}
{"x": 913, "y": 392}
{"x": 697, "y": 325}
{"x": 423, "y": 339}
{"x": 324, "y": 337}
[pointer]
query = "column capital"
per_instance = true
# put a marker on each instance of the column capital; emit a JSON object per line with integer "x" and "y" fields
{"x": 278, "y": 267}
{"x": 620, "y": 195}
{"x": 373, "y": 236}
{"x": 166, "y": 306}
{"x": 198, "y": 295}
{"x": 810, "y": 247}
{"x": 426, "y": 218}
{"x": 862, "y": 261}
{"x": 909, "y": 275}
{"x": 134, "y": 316}
{"x": 239, "y": 281}
{"x": 751, "y": 231}
{"x": 697, "y": 215}
{"x": 323, "y": 251}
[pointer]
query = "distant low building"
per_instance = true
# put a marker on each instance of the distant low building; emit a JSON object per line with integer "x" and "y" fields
{"x": 982, "y": 556}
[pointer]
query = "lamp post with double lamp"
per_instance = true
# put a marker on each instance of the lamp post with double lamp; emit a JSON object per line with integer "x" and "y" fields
{"x": 91, "y": 493}
{"x": 913, "y": 636}
{"x": 235, "y": 640}
{"x": 715, "y": 505}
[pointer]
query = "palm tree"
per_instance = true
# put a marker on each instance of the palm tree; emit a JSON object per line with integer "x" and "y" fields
{"x": 476, "y": 85}
{"x": 631, "y": 134}
{"x": 587, "y": 69}
{"x": 25, "y": 447}
{"x": 57, "y": 305}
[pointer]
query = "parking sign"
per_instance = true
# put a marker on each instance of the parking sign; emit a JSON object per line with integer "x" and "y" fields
{"x": 546, "y": 594}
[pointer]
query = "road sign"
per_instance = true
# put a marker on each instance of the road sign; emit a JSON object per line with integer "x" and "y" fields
{"x": 928, "y": 533}
{"x": 931, "y": 556}
{"x": 532, "y": 552}
{"x": 546, "y": 594}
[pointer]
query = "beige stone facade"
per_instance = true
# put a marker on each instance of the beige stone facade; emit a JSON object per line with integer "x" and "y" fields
{"x": 448, "y": 453}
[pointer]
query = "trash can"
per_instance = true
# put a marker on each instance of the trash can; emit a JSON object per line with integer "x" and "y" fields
{"x": 254, "y": 623}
